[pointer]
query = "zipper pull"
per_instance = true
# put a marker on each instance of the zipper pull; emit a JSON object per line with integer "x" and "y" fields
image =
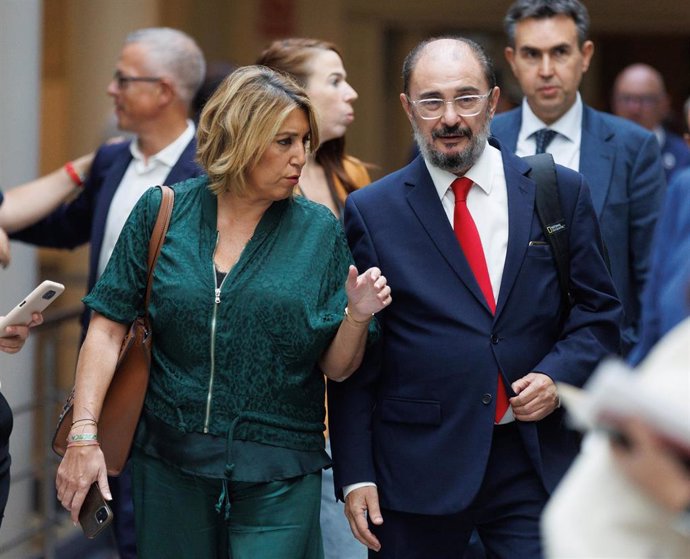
{"x": 217, "y": 296}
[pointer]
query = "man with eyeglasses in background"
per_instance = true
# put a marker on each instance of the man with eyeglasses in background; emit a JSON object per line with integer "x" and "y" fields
{"x": 639, "y": 94}
{"x": 158, "y": 72}
{"x": 549, "y": 53}
{"x": 453, "y": 422}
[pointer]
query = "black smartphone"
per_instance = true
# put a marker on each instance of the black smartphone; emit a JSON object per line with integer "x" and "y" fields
{"x": 95, "y": 514}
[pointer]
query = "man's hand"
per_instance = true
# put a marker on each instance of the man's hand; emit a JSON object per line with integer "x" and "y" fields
{"x": 359, "y": 504}
{"x": 536, "y": 398}
{"x": 13, "y": 338}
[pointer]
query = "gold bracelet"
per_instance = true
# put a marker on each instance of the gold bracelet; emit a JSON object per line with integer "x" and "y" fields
{"x": 349, "y": 317}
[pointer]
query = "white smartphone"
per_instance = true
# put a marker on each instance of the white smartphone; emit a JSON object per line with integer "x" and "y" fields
{"x": 36, "y": 301}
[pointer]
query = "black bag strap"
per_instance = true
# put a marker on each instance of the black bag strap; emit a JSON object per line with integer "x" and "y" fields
{"x": 548, "y": 204}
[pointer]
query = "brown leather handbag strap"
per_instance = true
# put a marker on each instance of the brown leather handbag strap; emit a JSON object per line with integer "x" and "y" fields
{"x": 158, "y": 238}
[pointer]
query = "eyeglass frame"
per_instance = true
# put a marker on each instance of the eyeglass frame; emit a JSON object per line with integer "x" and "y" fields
{"x": 123, "y": 80}
{"x": 452, "y": 101}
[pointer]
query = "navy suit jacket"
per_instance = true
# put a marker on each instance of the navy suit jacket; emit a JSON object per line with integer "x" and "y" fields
{"x": 675, "y": 154}
{"x": 83, "y": 219}
{"x": 622, "y": 164}
{"x": 417, "y": 418}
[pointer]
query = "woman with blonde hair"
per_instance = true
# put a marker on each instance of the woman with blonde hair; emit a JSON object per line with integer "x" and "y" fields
{"x": 248, "y": 313}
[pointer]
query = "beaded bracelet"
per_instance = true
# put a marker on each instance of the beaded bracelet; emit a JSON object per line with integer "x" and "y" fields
{"x": 83, "y": 437}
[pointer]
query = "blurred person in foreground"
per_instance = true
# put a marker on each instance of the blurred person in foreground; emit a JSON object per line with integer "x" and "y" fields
{"x": 248, "y": 313}
{"x": 328, "y": 176}
{"x": 639, "y": 94}
{"x": 628, "y": 492}
{"x": 665, "y": 302}
{"x": 452, "y": 422}
{"x": 11, "y": 341}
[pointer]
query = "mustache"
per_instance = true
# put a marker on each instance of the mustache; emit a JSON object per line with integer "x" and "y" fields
{"x": 452, "y": 131}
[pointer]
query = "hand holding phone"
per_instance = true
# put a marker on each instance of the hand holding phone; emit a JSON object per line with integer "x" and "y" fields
{"x": 36, "y": 301}
{"x": 95, "y": 514}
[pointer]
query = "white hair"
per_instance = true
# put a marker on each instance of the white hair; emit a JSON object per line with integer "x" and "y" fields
{"x": 174, "y": 54}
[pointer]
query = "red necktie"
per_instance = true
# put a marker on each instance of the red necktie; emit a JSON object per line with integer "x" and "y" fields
{"x": 468, "y": 237}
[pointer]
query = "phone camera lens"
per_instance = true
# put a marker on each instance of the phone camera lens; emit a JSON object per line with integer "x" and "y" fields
{"x": 101, "y": 515}
{"x": 48, "y": 294}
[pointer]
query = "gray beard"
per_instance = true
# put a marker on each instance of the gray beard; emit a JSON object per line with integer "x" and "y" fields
{"x": 456, "y": 163}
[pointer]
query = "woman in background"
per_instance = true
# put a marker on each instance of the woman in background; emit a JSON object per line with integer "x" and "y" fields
{"x": 330, "y": 174}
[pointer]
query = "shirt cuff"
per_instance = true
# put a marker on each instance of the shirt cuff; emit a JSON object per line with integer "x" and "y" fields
{"x": 350, "y": 488}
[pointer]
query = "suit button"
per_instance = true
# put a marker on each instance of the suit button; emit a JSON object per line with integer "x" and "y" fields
{"x": 494, "y": 339}
{"x": 486, "y": 399}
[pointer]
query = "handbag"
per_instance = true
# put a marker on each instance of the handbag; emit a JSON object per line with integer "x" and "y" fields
{"x": 124, "y": 399}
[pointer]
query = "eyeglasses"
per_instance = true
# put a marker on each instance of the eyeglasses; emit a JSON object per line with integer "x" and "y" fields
{"x": 643, "y": 100}
{"x": 123, "y": 81}
{"x": 464, "y": 105}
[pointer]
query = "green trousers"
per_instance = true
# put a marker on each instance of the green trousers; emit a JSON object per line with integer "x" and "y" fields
{"x": 183, "y": 516}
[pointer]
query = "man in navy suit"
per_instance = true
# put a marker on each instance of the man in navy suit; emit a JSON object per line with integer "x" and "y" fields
{"x": 453, "y": 421}
{"x": 639, "y": 94}
{"x": 157, "y": 75}
{"x": 549, "y": 53}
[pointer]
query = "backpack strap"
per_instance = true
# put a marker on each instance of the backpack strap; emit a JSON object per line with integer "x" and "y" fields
{"x": 548, "y": 205}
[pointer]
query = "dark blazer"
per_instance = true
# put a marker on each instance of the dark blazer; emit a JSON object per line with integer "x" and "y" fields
{"x": 417, "y": 418}
{"x": 675, "y": 154}
{"x": 622, "y": 164}
{"x": 83, "y": 219}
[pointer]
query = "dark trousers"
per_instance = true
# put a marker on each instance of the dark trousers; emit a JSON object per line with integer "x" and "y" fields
{"x": 123, "y": 510}
{"x": 505, "y": 513}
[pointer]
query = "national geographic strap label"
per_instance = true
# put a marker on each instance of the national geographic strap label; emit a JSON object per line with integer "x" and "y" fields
{"x": 556, "y": 227}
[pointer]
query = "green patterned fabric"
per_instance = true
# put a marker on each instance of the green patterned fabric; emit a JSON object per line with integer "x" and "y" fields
{"x": 280, "y": 306}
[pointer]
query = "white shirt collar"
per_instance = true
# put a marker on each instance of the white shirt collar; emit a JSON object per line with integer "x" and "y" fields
{"x": 569, "y": 126}
{"x": 481, "y": 173}
{"x": 168, "y": 156}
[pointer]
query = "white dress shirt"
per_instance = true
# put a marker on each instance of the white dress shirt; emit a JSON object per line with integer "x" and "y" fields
{"x": 141, "y": 174}
{"x": 487, "y": 202}
{"x": 565, "y": 147}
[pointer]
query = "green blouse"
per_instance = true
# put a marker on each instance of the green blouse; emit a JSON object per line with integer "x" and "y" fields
{"x": 239, "y": 362}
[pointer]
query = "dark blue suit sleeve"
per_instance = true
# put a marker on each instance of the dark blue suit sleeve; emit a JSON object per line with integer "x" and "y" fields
{"x": 646, "y": 192}
{"x": 351, "y": 403}
{"x": 592, "y": 328}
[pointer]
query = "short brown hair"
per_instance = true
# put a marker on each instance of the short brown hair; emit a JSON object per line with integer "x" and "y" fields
{"x": 240, "y": 121}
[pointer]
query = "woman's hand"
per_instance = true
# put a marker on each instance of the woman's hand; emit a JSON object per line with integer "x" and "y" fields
{"x": 81, "y": 466}
{"x": 367, "y": 293}
{"x": 14, "y": 336}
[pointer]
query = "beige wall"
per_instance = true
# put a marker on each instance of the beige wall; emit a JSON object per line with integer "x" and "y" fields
{"x": 82, "y": 39}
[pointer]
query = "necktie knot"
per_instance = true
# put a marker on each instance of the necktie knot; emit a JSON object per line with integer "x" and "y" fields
{"x": 543, "y": 138}
{"x": 461, "y": 188}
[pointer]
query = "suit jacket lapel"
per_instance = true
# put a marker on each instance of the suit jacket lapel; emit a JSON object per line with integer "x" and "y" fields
{"x": 185, "y": 167}
{"x": 597, "y": 156}
{"x": 521, "y": 192}
{"x": 425, "y": 203}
